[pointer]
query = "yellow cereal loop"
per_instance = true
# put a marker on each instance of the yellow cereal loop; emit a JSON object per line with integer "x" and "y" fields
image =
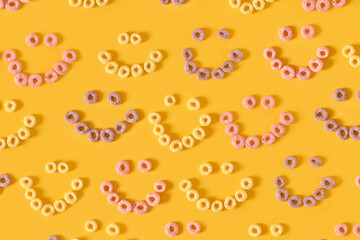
{"x": 59, "y": 205}
{"x": 50, "y": 167}
{"x": 135, "y": 38}
{"x": 12, "y": 141}
{"x": 164, "y": 140}
{"x": 240, "y": 195}
{"x": 102, "y": 3}
{"x": 258, "y": 4}
{"x": 10, "y": 106}
{"x": 63, "y": 167}
{"x": 89, "y": 3}
{"x": 354, "y": 61}
{"x": 2, "y": 143}
{"x": 217, "y": 206}
{"x": 123, "y": 38}
{"x": 30, "y": 121}
{"x": 199, "y": 133}
{"x": 77, "y": 184}
{"x": 170, "y": 100}
{"x": 185, "y": 185}
{"x": 48, "y": 210}
{"x": 154, "y": 118}
{"x": 91, "y": 226}
{"x": 193, "y": 104}
{"x": 203, "y": 204}
{"x": 104, "y": 57}
{"x": 158, "y": 129}
{"x": 205, "y": 169}
{"x": 30, "y": 194}
{"x": 36, "y": 204}
{"x": 113, "y": 229}
{"x": 188, "y": 141}
{"x": 156, "y": 56}
{"x": 235, "y": 3}
{"x": 230, "y": 203}
{"x": 192, "y": 195}
{"x": 176, "y": 146}
{"x": 23, "y": 133}
{"x": 205, "y": 120}
{"x": 247, "y": 183}
{"x": 112, "y": 67}
{"x": 70, "y": 197}
{"x": 26, "y": 182}
{"x": 348, "y": 51}
{"x": 254, "y": 230}
{"x": 149, "y": 66}
{"x": 75, "y": 3}
{"x": 227, "y": 168}
{"x": 276, "y": 230}
{"x": 124, "y": 71}
{"x": 136, "y": 70}
{"x": 247, "y": 8}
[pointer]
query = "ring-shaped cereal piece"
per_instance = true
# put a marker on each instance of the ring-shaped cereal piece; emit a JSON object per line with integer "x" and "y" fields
{"x": 249, "y": 102}
{"x": 149, "y": 66}
{"x": 185, "y": 185}
{"x": 316, "y": 64}
{"x": 268, "y": 138}
{"x": 328, "y": 183}
{"x": 246, "y": 8}
{"x": 294, "y": 201}
{"x": 321, "y": 114}
{"x": 202, "y": 74}
{"x": 331, "y": 125}
{"x": 341, "y": 229}
{"x": 5, "y": 180}
{"x": 303, "y": 73}
{"x": 21, "y": 79}
{"x": 269, "y": 53}
{"x": 140, "y": 207}
{"x": 63, "y": 167}
{"x": 15, "y": 67}
{"x": 171, "y": 229}
{"x": 123, "y": 38}
{"x": 309, "y": 5}
{"x": 319, "y": 194}
{"x": 26, "y": 182}
{"x": 111, "y": 67}
{"x": 340, "y": 95}
{"x": 164, "y": 140}
{"x": 51, "y": 76}
{"x": 60, "y": 205}
{"x": 2, "y": 143}
{"x": 75, "y": 3}
{"x": 50, "y": 167}
{"x": 230, "y": 203}
{"x": 286, "y": 33}
{"x": 112, "y": 229}
{"x": 223, "y": 34}
{"x": 254, "y": 230}
{"x": 205, "y": 120}
{"x": 286, "y": 118}
{"x": 199, "y": 133}
{"x": 227, "y": 168}
{"x": 120, "y": 127}
{"x": 35, "y": 80}
{"x": 287, "y": 72}
{"x": 93, "y": 135}
{"x": 122, "y": 167}
{"x": 12, "y": 141}
{"x": 154, "y": 118}
{"x": 77, "y": 184}
{"x": 104, "y": 57}
{"x": 217, "y": 74}
{"x": 276, "y": 230}
{"x": 187, "y": 54}
{"x": 125, "y": 206}
{"x": 217, "y": 206}
{"x": 9, "y": 55}
{"x": 227, "y": 66}
{"x": 192, "y": 195}
{"x": 89, "y": 3}
{"x": 69, "y": 56}
{"x": 124, "y": 71}
{"x": 60, "y": 68}
{"x": 342, "y": 133}
{"x": 308, "y": 31}
{"x": 252, "y": 142}
{"x": 290, "y": 162}
{"x": 258, "y": 4}
{"x": 354, "y": 61}
{"x": 102, "y": 3}
{"x": 70, "y": 197}
{"x": 188, "y": 141}
{"x": 203, "y": 204}
{"x": 276, "y": 64}
{"x": 153, "y": 199}
{"x": 232, "y": 129}
{"x": 144, "y": 166}
{"x": 36, "y": 204}
{"x": 241, "y": 195}
{"x": 32, "y": 40}
{"x": 236, "y": 55}
{"x": 193, "y": 104}
{"x": 206, "y": 169}
{"x": 159, "y": 186}
{"x": 322, "y": 5}
{"x": 47, "y": 210}
{"x": 338, "y": 3}
{"x": 135, "y": 38}
{"x": 238, "y": 141}
{"x": 12, "y": 5}
{"x": 114, "y": 98}
{"x": 50, "y": 40}
{"x": 323, "y": 52}
{"x": 198, "y": 34}
{"x": 235, "y": 3}
{"x": 226, "y": 117}
{"x": 348, "y": 51}
{"x": 279, "y": 182}
{"x": 190, "y": 67}
{"x": 356, "y": 230}
{"x": 132, "y": 116}
{"x": 91, "y": 226}
{"x": 113, "y": 198}
{"x": 106, "y": 187}
{"x": 10, "y": 106}
{"x": 282, "y": 195}
{"x": 176, "y": 146}
{"x": 170, "y": 100}
{"x": 82, "y": 128}
{"x": 309, "y": 201}
{"x": 193, "y": 227}
{"x": 354, "y": 133}
{"x": 278, "y": 130}
{"x": 156, "y": 56}
{"x": 268, "y": 102}
{"x": 247, "y": 183}
{"x": 136, "y": 70}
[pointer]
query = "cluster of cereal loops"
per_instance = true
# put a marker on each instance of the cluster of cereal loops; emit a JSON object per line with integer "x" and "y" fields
{"x": 172, "y": 228}
{"x": 255, "y": 230}
{"x": 70, "y": 198}
{"x": 88, "y": 3}
{"x": 249, "y": 7}
{"x": 52, "y": 167}
{"x": 188, "y": 141}
{"x": 204, "y": 204}
{"x": 12, "y": 5}
{"x": 5, "y": 180}
{"x": 342, "y": 230}
{"x": 203, "y": 74}
{"x": 23, "y": 133}
{"x": 349, "y": 52}
{"x": 207, "y": 168}
{"x": 106, "y": 135}
{"x": 175, "y": 2}
{"x": 321, "y": 5}
{"x": 112, "y": 229}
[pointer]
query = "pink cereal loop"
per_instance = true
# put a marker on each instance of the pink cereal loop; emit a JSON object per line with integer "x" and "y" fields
{"x": 171, "y": 229}
{"x": 268, "y": 139}
{"x": 60, "y": 68}
{"x": 24, "y": 1}
{"x": 308, "y": 31}
{"x": 69, "y": 56}
{"x": 322, "y": 5}
{"x": 232, "y": 129}
{"x": 286, "y": 118}
{"x": 278, "y": 130}
{"x": 140, "y": 207}
{"x": 14, "y": 67}
{"x": 356, "y": 230}
{"x": 50, "y": 40}
{"x": 238, "y": 141}
{"x": 193, "y": 227}
{"x": 21, "y": 79}
{"x": 122, "y": 167}
{"x": 160, "y": 186}
{"x": 153, "y": 199}
{"x": 9, "y": 55}
{"x": 357, "y": 181}
{"x": 309, "y": 5}
{"x": 323, "y": 52}
{"x": 316, "y": 64}
{"x": 35, "y": 80}
{"x": 286, "y": 33}
{"x": 2, "y": 4}
{"x": 124, "y": 206}
{"x": 338, "y": 3}
{"x": 276, "y": 64}
{"x": 51, "y": 76}
{"x": 303, "y": 73}
{"x": 269, "y": 53}
{"x": 341, "y": 229}
{"x": 144, "y": 166}
{"x": 287, "y": 72}
{"x": 12, "y": 5}
{"x": 113, "y": 198}
{"x": 226, "y": 117}
{"x": 268, "y": 102}
{"x": 106, "y": 187}
{"x": 252, "y": 142}
{"x": 32, "y": 40}
{"x": 249, "y": 102}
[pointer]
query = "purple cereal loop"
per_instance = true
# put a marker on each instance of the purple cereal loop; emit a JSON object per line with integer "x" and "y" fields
{"x": 120, "y": 127}
{"x": 319, "y": 194}
{"x": 159, "y": 186}
{"x": 132, "y": 116}
{"x": 144, "y": 166}
{"x": 339, "y": 4}
{"x": 32, "y": 40}
{"x": 107, "y": 135}
{"x": 309, "y": 5}
{"x": 106, "y": 187}
{"x": 279, "y": 182}
{"x": 91, "y": 97}
{"x": 290, "y": 162}
{"x": 193, "y": 227}
{"x": 340, "y": 95}
{"x": 268, "y": 102}
{"x": 316, "y": 64}
{"x": 190, "y": 67}
{"x": 328, "y": 183}
{"x": 226, "y": 117}
{"x": 341, "y": 229}
{"x": 355, "y": 133}
{"x": 153, "y": 199}
{"x": 322, "y": 5}
{"x": 9, "y": 55}
{"x": 69, "y": 56}
{"x": 342, "y": 133}
{"x": 287, "y": 72}
{"x": 232, "y": 129}
{"x": 198, "y": 34}
{"x": 294, "y": 201}
{"x": 269, "y": 53}
{"x": 187, "y": 54}
{"x": 5, "y": 180}
{"x": 60, "y": 68}
{"x": 202, "y": 74}
{"x": 93, "y": 135}
{"x": 249, "y": 102}
{"x": 322, "y": 52}
{"x": 276, "y": 64}
{"x": 171, "y": 229}
{"x": 223, "y": 34}
{"x": 331, "y": 125}
{"x": 21, "y": 79}
{"x": 268, "y": 139}
{"x": 140, "y": 207}
{"x": 282, "y": 195}
{"x": 178, "y": 2}
{"x": 278, "y": 130}
{"x": 315, "y": 161}
{"x": 303, "y": 73}
{"x": 113, "y": 198}
{"x": 308, "y": 31}
{"x": 286, "y": 118}
{"x": 356, "y": 230}
{"x": 164, "y": 2}
{"x": 122, "y": 167}
{"x": 286, "y": 33}
{"x": 309, "y": 201}
{"x": 236, "y": 55}
{"x": 238, "y": 142}
{"x": 14, "y": 67}
{"x": 321, "y": 114}
{"x": 114, "y": 98}
{"x": 51, "y": 76}
{"x": 227, "y": 66}
{"x": 217, "y": 74}
{"x": 50, "y": 40}
{"x": 82, "y": 128}
{"x": 72, "y": 117}
{"x": 124, "y": 206}
{"x": 35, "y": 80}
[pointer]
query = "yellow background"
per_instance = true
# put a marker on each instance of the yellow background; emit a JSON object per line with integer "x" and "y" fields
{"x": 168, "y": 28}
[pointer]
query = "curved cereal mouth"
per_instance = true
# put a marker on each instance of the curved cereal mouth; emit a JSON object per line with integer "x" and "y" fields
{"x": 248, "y": 8}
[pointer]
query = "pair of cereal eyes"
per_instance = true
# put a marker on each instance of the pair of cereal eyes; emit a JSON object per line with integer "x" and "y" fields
{"x": 125, "y": 38}
{"x": 291, "y": 162}
{"x": 172, "y": 228}
{"x": 192, "y": 104}
{"x": 286, "y": 33}
{"x": 50, "y": 40}
{"x": 199, "y": 34}
{"x": 112, "y": 229}
{"x": 255, "y": 230}
{"x": 92, "y": 97}
{"x": 341, "y": 94}
{"x": 207, "y": 168}
{"x": 123, "y": 167}
{"x": 342, "y": 229}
